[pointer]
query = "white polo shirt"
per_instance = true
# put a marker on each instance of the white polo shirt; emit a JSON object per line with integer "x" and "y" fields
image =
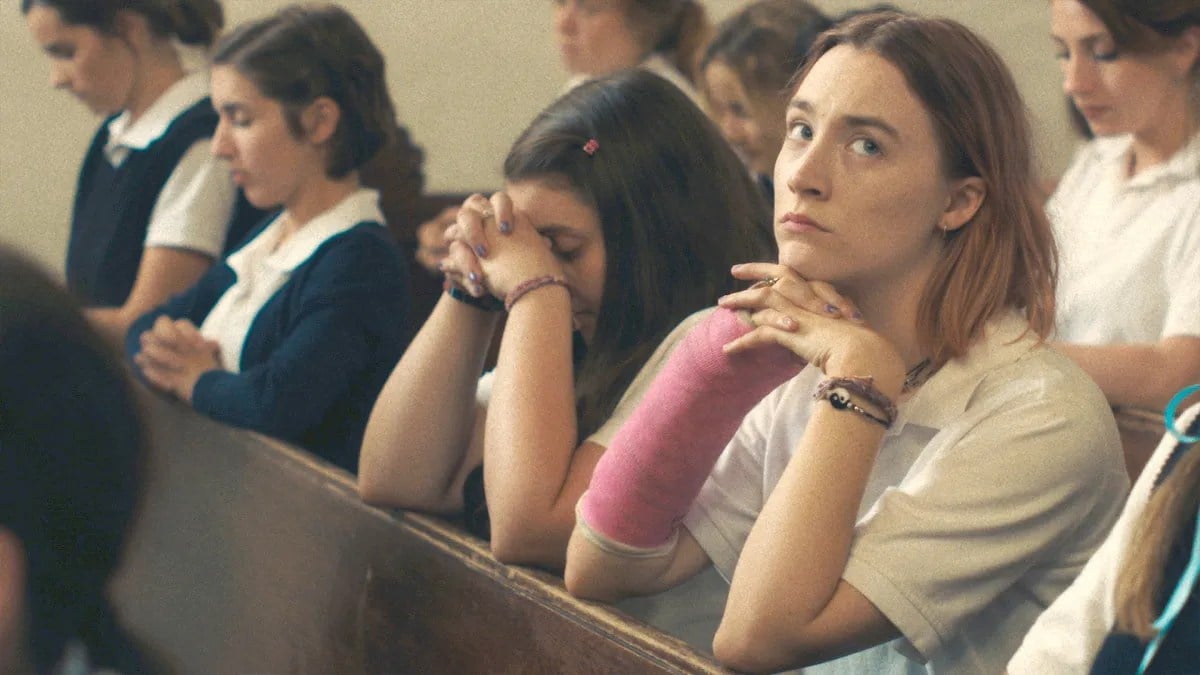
{"x": 1000, "y": 477}
{"x": 193, "y": 209}
{"x": 1067, "y": 636}
{"x": 1129, "y": 247}
{"x": 261, "y": 267}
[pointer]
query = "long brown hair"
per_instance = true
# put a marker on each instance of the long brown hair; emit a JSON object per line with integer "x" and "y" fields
{"x": 1172, "y": 506}
{"x": 1005, "y": 258}
{"x": 73, "y": 460}
{"x": 676, "y": 208}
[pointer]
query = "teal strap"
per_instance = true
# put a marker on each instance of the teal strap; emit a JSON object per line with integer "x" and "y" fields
{"x": 1169, "y": 414}
{"x": 1179, "y": 598}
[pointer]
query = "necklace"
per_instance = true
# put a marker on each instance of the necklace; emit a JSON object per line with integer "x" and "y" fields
{"x": 916, "y": 376}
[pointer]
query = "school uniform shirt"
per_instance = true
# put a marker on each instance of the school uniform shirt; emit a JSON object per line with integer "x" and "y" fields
{"x": 1129, "y": 247}
{"x": 150, "y": 182}
{"x": 309, "y": 330}
{"x": 1067, "y": 636}
{"x": 1000, "y": 477}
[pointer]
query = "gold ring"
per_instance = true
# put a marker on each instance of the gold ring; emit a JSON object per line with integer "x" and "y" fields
{"x": 769, "y": 281}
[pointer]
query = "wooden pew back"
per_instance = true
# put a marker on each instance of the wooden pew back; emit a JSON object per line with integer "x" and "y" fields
{"x": 1141, "y": 430}
{"x": 253, "y": 557}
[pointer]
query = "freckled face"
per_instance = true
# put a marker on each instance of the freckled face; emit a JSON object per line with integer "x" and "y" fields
{"x": 270, "y": 164}
{"x": 96, "y": 68}
{"x": 573, "y": 231}
{"x": 859, "y": 185}
{"x": 753, "y": 125}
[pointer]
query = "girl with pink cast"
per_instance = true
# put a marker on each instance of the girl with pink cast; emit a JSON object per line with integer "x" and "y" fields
{"x": 935, "y": 474}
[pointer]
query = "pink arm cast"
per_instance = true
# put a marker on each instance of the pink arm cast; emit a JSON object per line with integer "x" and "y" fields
{"x": 648, "y": 477}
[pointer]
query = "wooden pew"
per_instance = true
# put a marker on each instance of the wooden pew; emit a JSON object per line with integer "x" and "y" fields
{"x": 251, "y": 556}
{"x": 1141, "y": 431}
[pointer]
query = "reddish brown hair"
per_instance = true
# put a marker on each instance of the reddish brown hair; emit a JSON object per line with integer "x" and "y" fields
{"x": 1005, "y": 257}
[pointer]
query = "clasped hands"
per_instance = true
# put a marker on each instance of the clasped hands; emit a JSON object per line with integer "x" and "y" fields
{"x": 815, "y": 322}
{"x": 174, "y": 355}
{"x": 491, "y": 249}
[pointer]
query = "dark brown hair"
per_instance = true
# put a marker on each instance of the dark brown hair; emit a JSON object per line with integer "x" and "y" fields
{"x": 72, "y": 458}
{"x": 765, "y": 43}
{"x": 193, "y": 22}
{"x": 300, "y": 54}
{"x": 1145, "y": 25}
{"x": 1005, "y": 258}
{"x": 677, "y": 29}
{"x": 675, "y": 204}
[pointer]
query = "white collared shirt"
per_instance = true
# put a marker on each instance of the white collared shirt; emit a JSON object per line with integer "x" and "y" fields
{"x": 1129, "y": 247}
{"x": 193, "y": 208}
{"x": 999, "y": 478}
{"x": 261, "y": 268}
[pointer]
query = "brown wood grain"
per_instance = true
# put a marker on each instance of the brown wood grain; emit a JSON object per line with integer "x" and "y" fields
{"x": 253, "y": 557}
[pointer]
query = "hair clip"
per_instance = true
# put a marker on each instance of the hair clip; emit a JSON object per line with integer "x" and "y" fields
{"x": 591, "y": 146}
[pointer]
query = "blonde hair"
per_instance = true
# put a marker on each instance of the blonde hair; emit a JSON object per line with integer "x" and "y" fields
{"x": 1166, "y": 517}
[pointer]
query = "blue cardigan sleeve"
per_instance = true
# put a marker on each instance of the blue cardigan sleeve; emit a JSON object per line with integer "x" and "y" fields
{"x": 194, "y": 304}
{"x": 348, "y": 322}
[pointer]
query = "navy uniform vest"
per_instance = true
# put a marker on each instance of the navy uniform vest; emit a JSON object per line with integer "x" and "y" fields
{"x": 113, "y": 206}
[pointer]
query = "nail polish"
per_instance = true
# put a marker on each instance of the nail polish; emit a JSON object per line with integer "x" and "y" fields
{"x": 481, "y": 250}
{"x": 505, "y": 227}
{"x": 473, "y": 278}
{"x": 831, "y": 309}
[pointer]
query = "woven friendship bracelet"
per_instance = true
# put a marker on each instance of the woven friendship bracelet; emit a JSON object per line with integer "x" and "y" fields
{"x": 531, "y": 284}
{"x": 837, "y": 391}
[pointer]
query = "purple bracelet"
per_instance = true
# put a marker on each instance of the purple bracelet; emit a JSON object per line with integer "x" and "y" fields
{"x": 864, "y": 387}
{"x": 531, "y": 284}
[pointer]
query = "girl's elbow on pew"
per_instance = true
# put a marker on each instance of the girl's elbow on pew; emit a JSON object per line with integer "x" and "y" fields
{"x": 755, "y": 648}
{"x": 527, "y": 543}
{"x": 591, "y": 574}
{"x": 587, "y": 584}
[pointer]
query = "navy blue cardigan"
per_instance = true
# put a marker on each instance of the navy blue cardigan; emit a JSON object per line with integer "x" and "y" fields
{"x": 113, "y": 208}
{"x": 320, "y": 349}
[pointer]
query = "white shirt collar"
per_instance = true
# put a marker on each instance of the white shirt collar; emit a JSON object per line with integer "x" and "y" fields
{"x": 361, "y": 205}
{"x": 124, "y": 136}
{"x": 945, "y": 396}
{"x": 1183, "y": 165}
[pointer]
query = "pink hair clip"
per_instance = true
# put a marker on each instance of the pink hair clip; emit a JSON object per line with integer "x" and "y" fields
{"x": 591, "y": 146}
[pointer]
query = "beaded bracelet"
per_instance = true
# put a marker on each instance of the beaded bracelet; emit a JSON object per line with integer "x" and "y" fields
{"x": 531, "y": 284}
{"x": 487, "y": 303}
{"x": 837, "y": 391}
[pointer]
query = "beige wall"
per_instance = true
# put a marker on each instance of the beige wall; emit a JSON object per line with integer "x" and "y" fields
{"x": 466, "y": 76}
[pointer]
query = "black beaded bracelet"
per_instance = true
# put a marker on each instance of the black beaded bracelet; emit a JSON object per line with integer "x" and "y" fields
{"x": 840, "y": 400}
{"x": 837, "y": 390}
{"x": 487, "y": 303}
